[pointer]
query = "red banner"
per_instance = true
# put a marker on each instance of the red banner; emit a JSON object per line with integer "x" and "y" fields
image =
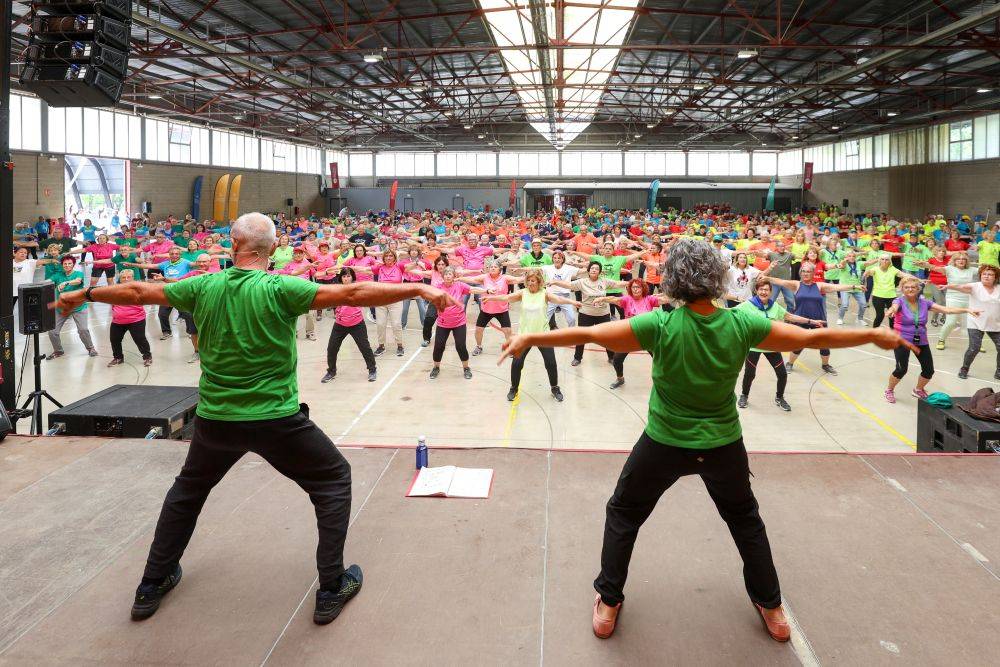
{"x": 513, "y": 192}
{"x": 807, "y": 176}
{"x": 334, "y": 176}
{"x": 392, "y": 195}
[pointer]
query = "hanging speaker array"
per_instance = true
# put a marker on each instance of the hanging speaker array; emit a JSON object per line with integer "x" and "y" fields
{"x": 78, "y": 52}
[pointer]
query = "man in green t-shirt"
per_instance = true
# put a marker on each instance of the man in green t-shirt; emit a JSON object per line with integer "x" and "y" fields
{"x": 249, "y": 400}
{"x": 536, "y": 257}
{"x": 69, "y": 279}
{"x": 693, "y": 426}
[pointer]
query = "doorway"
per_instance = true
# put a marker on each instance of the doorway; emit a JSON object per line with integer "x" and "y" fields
{"x": 458, "y": 203}
{"x": 408, "y": 204}
{"x": 96, "y": 190}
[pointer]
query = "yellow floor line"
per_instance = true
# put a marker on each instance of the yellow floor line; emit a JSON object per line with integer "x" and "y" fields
{"x": 862, "y": 409}
{"x": 510, "y": 419}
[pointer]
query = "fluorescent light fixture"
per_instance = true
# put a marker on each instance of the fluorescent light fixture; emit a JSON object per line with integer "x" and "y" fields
{"x": 467, "y": 126}
{"x": 480, "y": 136}
{"x": 418, "y": 89}
{"x": 744, "y": 54}
{"x": 586, "y": 71}
{"x": 449, "y": 112}
{"x": 891, "y": 114}
{"x": 327, "y": 138}
{"x": 651, "y": 125}
{"x": 835, "y": 127}
{"x": 373, "y": 57}
{"x": 154, "y": 96}
{"x": 982, "y": 90}
{"x": 636, "y": 135}
{"x": 699, "y": 86}
{"x": 291, "y": 129}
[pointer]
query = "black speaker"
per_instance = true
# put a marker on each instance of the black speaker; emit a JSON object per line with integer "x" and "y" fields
{"x": 78, "y": 51}
{"x": 147, "y": 207}
{"x": 998, "y": 208}
{"x": 34, "y": 314}
{"x": 289, "y": 202}
{"x": 846, "y": 204}
{"x": 5, "y": 425}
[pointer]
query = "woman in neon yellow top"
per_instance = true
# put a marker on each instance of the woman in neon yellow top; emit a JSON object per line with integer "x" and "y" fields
{"x": 884, "y": 276}
{"x": 798, "y": 248}
{"x": 534, "y": 319}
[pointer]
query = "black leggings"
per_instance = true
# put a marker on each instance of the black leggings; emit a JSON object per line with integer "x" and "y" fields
{"x": 588, "y": 321}
{"x": 548, "y": 356}
{"x": 138, "y": 333}
{"x": 650, "y": 470}
{"x": 976, "y": 344}
{"x": 881, "y": 305}
{"x": 618, "y": 361}
{"x": 750, "y": 371}
{"x": 924, "y": 357}
{"x": 430, "y": 317}
{"x": 441, "y": 339}
{"x": 359, "y": 332}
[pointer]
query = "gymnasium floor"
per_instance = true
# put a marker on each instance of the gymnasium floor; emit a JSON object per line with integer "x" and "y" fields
{"x": 842, "y": 413}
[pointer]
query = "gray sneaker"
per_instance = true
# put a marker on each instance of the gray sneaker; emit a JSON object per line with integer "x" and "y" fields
{"x": 195, "y": 358}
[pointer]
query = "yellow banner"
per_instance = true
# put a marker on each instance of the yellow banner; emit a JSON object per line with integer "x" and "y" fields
{"x": 219, "y": 206}
{"x": 234, "y": 198}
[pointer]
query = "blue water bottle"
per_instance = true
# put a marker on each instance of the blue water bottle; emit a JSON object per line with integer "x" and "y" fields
{"x": 421, "y": 452}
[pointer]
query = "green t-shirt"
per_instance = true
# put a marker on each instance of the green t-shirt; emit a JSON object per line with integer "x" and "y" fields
{"x": 849, "y": 278}
{"x": 61, "y": 280}
{"x": 913, "y": 254}
{"x": 884, "y": 282}
{"x": 831, "y": 259}
{"x": 530, "y": 261}
{"x": 134, "y": 242}
{"x": 191, "y": 255}
{"x": 611, "y": 269}
{"x": 776, "y": 313}
{"x": 53, "y": 270}
{"x": 696, "y": 361}
{"x": 989, "y": 251}
{"x": 281, "y": 256}
{"x": 120, "y": 260}
{"x": 246, "y": 338}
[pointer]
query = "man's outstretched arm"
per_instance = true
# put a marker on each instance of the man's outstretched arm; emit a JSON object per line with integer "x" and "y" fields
{"x": 132, "y": 293}
{"x": 370, "y": 293}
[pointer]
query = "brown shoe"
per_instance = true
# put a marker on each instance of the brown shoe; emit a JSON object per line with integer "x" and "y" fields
{"x": 780, "y": 631}
{"x": 603, "y": 628}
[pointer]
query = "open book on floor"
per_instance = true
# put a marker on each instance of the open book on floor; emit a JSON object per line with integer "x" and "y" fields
{"x": 452, "y": 482}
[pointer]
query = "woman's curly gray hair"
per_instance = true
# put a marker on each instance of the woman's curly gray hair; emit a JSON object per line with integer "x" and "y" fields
{"x": 694, "y": 270}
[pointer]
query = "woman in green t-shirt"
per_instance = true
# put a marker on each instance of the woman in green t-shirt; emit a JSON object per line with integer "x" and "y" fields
{"x": 760, "y": 305}
{"x": 693, "y": 426}
{"x": 884, "y": 276}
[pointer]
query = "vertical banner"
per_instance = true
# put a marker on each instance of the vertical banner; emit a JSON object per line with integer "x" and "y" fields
{"x": 513, "y": 193}
{"x": 769, "y": 204}
{"x": 196, "y": 198}
{"x": 219, "y": 204}
{"x": 654, "y": 187}
{"x": 807, "y": 176}
{"x": 234, "y": 197}
{"x": 392, "y": 195}
{"x": 334, "y": 176}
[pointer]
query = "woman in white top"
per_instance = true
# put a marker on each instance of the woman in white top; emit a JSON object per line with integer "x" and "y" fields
{"x": 984, "y": 297}
{"x": 560, "y": 270}
{"x": 957, "y": 272}
{"x": 24, "y": 269}
{"x": 742, "y": 278}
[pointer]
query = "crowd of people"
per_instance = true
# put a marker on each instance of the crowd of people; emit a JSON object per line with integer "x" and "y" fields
{"x": 590, "y": 267}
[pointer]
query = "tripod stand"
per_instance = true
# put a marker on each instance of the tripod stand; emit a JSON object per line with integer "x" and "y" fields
{"x": 35, "y": 397}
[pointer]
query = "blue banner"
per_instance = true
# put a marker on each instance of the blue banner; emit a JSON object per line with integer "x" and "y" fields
{"x": 769, "y": 204}
{"x": 654, "y": 187}
{"x": 196, "y": 198}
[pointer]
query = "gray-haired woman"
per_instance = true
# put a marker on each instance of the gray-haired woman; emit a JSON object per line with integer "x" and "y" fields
{"x": 693, "y": 426}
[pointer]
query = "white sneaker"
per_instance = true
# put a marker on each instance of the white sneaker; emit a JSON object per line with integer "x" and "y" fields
{"x": 195, "y": 358}
{"x": 840, "y": 322}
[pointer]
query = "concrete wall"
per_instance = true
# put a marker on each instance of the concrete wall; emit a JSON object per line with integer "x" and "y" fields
{"x": 949, "y": 188}
{"x": 169, "y": 187}
{"x": 38, "y": 186}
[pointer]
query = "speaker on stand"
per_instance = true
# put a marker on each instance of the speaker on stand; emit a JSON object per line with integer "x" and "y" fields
{"x": 34, "y": 318}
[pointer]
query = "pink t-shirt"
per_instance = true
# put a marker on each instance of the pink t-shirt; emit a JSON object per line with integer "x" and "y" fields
{"x": 361, "y": 276}
{"x": 295, "y": 266}
{"x": 389, "y": 274}
{"x": 347, "y": 316}
{"x": 454, "y": 316}
{"x": 200, "y": 236}
{"x": 103, "y": 252}
{"x": 633, "y": 307}
{"x": 324, "y": 262}
{"x": 127, "y": 314}
{"x": 421, "y": 265}
{"x": 159, "y": 251}
{"x": 498, "y": 286}
{"x": 474, "y": 258}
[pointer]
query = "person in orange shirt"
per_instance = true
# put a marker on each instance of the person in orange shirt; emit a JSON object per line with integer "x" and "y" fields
{"x": 653, "y": 259}
{"x": 586, "y": 242}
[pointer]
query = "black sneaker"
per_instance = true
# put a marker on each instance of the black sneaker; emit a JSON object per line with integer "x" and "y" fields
{"x": 782, "y": 403}
{"x": 424, "y": 343}
{"x": 371, "y": 376}
{"x": 467, "y": 373}
{"x": 435, "y": 372}
{"x": 827, "y": 368}
{"x": 618, "y": 383}
{"x": 379, "y": 350}
{"x": 329, "y": 604}
{"x": 329, "y": 376}
{"x": 742, "y": 401}
{"x": 399, "y": 350}
{"x": 148, "y": 596}
{"x": 556, "y": 394}
{"x": 963, "y": 373}
{"x": 576, "y": 362}
{"x": 996, "y": 376}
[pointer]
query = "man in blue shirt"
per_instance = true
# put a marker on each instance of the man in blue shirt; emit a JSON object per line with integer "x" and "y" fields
{"x": 174, "y": 268}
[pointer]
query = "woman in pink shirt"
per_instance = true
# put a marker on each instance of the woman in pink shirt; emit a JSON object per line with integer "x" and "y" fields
{"x": 131, "y": 319}
{"x": 636, "y": 301}
{"x": 325, "y": 269}
{"x": 102, "y": 252}
{"x": 362, "y": 264}
{"x": 348, "y": 321}
{"x": 201, "y": 234}
{"x": 493, "y": 282}
{"x": 389, "y": 270}
{"x": 452, "y": 321}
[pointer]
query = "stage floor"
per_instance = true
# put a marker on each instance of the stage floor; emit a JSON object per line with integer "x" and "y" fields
{"x": 882, "y": 558}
